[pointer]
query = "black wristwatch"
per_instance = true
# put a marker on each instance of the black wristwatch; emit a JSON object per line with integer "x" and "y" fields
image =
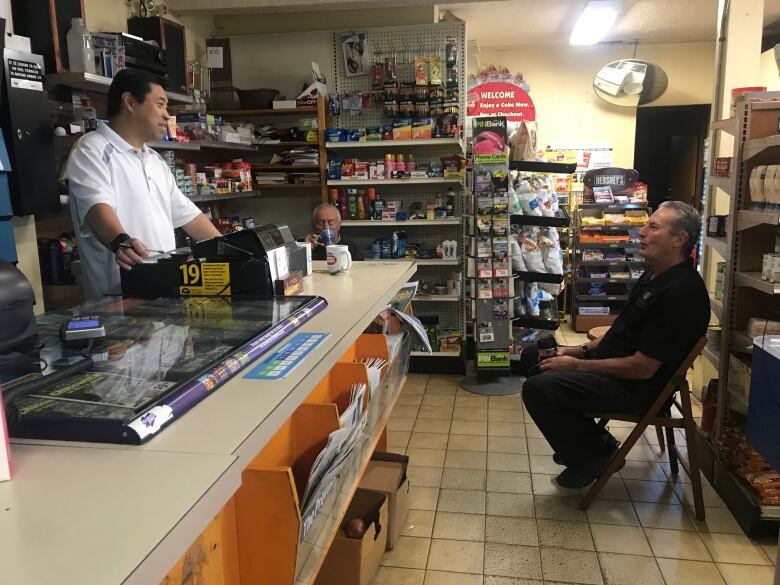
{"x": 585, "y": 350}
{"x": 118, "y": 241}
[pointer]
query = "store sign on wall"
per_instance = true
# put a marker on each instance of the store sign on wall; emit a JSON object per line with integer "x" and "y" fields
{"x": 501, "y": 98}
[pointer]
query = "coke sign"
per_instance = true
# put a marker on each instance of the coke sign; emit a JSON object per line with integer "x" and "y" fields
{"x": 501, "y": 98}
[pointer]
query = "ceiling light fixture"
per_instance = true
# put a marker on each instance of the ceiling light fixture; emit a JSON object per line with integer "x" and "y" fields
{"x": 595, "y": 22}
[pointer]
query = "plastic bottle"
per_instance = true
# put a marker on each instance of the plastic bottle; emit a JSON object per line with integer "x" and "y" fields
{"x": 81, "y": 54}
{"x": 389, "y": 166}
{"x": 401, "y": 244}
{"x": 411, "y": 165}
{"x": 371, "y": 192}
{"x": 400, "y": 165}
{"x": 450, "y": 202}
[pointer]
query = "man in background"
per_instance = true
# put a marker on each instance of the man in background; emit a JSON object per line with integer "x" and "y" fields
{"x": 327, "y": 217}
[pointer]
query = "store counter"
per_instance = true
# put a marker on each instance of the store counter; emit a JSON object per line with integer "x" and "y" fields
{"x": 103, "y": 514}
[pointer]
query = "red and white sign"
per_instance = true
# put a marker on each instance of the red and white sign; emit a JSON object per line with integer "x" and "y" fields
{"x": 501, "y": 98}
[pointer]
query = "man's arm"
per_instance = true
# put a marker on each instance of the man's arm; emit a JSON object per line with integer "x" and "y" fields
{"x": 579, "y": 351}
{"x": 201, "y": 228}
{"x": 634, "y": 367}
{"x": 105, "y": 225}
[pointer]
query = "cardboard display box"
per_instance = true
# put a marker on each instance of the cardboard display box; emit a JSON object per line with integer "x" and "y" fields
{"x": 351, "y": 561}
{"x": 386, "y": 473}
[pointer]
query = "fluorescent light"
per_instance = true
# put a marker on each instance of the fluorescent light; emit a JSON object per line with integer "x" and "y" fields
{"x": 594, "y": 22}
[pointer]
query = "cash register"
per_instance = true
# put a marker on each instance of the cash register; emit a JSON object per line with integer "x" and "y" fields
{"x": 264, "y": 260}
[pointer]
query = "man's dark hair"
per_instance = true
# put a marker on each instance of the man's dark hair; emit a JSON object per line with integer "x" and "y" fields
{"x": 137, "y": 81}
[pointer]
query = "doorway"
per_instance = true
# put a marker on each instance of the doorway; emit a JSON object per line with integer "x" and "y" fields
{"x": 669, "y": 152}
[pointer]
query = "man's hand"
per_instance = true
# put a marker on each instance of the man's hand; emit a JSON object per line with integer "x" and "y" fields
{"x": 570, "y": 350}
{"x": 131, "y": 252}
{"x": 313, "y": 239}
{"x": 560, "y": 364}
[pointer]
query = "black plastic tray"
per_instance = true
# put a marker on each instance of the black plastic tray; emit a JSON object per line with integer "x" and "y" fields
{"x": 542, "y": 167}
{"x": 560, "y": 220}
{"x": 536, "y": 323}
{"x": 537, "y": 277}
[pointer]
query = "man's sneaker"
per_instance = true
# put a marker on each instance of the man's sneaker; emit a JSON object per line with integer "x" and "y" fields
{"x": 607, "y": 437}
{"x": 580, "y": 476}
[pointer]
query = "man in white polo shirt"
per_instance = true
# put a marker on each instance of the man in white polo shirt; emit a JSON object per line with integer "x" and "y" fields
{"x": 123, "y": 198}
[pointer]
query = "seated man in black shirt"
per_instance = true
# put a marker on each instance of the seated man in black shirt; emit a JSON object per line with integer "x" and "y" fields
{"x": 324, "y": 216}
{"x": 625, "y": 369}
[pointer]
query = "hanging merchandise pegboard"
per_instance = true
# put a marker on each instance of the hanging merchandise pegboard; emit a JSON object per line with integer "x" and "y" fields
{"x": 397, "y": 97}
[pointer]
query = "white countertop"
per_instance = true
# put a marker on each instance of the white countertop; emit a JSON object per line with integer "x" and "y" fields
{"x": 83, "y": 514}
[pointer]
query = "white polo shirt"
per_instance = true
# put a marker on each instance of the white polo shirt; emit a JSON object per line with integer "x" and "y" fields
{"x": 137, "y": 184}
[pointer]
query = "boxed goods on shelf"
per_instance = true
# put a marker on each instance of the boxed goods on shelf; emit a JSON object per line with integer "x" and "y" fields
{"x": 386, "y": 473}
{"x": 738, "y": 379}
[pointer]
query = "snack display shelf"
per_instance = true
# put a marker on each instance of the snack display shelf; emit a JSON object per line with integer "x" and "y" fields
{"x": 610, "y": 228}
{"x": 754, "y": 280}
{"x": 561, "y": 219}
{"x": 224, "y": 196}
{"x": 396, "y": 223}
{"x": 537, "y": 277}
{"x": 393, "y": 182}
{"x": 616, "y": 206}
{"x": 602, "y": 297}
{"x": 436, "y": 298}
{"x": 396, "y": 143}
{"x": 197, "y": 146}
{"x": 542, "y": 167}
{"x": 609, "y": 280}
{"x": 748, "y": 218}
{"x": 305, "y": 110}
{"x": 608, "y": 246}
{"x": 611, "y": 262}
{"x": 448, "y": 354}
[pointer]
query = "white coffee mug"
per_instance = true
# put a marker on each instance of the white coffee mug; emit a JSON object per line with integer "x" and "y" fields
{"x": 339, "y": 258}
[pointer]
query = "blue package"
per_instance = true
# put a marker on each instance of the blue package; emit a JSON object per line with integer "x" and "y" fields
{"x": 386, "y": 249}
{"x": 334, "y": 168}
{"x": 376, "y": 250}
{"x": 354, "y": 134}
{"x": 335, "y": 135}
{"x": 401, "y": 216}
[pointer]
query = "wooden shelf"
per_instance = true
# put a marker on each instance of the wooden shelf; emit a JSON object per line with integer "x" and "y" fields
{"x": 758, "y": 145}
{"x": 728, "y": 125}
{"x": 100, "y": 84}
{"x": 287, "y": 186}
{"x": 389, "y": 144}
{"x": 286, "y": 168}
{"x": 198, "y": 146}
{"x": 747, "y": 219}
{"x": 716, "y": 306}
{"x": 392, "y": 222}
{"x": 306, "y": 110}
{"x": 754, "y": 280}
{"x": 720, "y": 245}
{"x": 224, "y": 196}
{"x": 394, "y": 182}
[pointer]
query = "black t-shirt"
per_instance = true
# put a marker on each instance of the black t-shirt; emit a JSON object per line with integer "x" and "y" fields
{"x": 318, "y": 252}
{"x": 664, "y": 318}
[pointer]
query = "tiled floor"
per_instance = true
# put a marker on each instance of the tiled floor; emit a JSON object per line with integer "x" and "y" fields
{"x": 484, "y": 509}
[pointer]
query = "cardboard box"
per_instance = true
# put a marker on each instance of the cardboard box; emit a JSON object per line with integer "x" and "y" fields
{"x": 355, "y": 562}
{"x": 386, "y": 473}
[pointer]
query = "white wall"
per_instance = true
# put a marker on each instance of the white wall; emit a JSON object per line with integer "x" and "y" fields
{"x": 768, "y": 71}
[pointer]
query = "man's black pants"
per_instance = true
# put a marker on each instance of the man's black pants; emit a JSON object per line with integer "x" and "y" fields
{"x": 558, "y": 401}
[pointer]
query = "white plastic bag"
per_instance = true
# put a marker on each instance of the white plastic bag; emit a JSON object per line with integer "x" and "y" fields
{"x": 528, "y": 201}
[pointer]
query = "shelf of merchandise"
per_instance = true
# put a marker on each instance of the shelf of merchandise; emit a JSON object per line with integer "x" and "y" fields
{"x": 100, "y": 84}
{"x": 607, "y": 246}
{"x": 284, "y": 168}
{"x": 277, "y": 143}
{"x": 400, "y": 224}
{"x": 288, "y": 185}
{"x": 436, "y": 298}
{"x": 531, "y": 166}
{"x": 447, "y": 354}
{"x": 745, "y": 294}
{"x": 394, "y": 182}
{"x": 199, "y": 146}
{"x": 303, "y": 111}
{"x": 224, "y": 197}
{"x": 602, "y": 297}
{"x": 436, "y": 262}
{"x": 612, "y": 263}
{"x": 608, "y": 280}
{"x": 389, "y": 144}
{"x": 720, "y": 245}
{"x": 536, "y": 323}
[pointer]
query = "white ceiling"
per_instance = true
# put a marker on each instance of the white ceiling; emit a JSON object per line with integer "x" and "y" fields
{"x": 549, "y": 22}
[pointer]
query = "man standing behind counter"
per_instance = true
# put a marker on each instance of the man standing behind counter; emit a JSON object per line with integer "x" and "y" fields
{"x": 123, "y": 198}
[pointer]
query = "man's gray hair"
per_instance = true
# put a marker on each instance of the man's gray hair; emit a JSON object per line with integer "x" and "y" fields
{"x": 688, "y": 221}
{"x": 319, "y": 208}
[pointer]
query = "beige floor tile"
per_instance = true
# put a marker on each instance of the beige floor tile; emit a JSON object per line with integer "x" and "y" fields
{"x": 410, "y": 399}
{"x": 424, "y": 476}
{"x": 571, "y": 566}
{"x": 539, "y": 447}
{"x": 769, "y": 544}
{"x": 429, "y": 425}
{"x": 507, "y": 462}
{"x": 677, "y": 544}
{"x": 711, "y": 498}
{"x": 451, "y": 379}
{"x": 413, "y": 389}
{"x": 559, "y": 508}
{"x": 507, "y": 445}
{"x": 464, "y": 413}
{"x": 533, "y": 431}
{"x": 428, "y": 441}
{"x": 612, "y": 512}
{"x": 641, "y": 453}
{"x": 614, "y": 489}
{"x": 669, "y": 516}
{"x": 681, "y": 477}
{"x": 505, "y": 415}
{"x": 468, "y": 427}
{"x": 494, "y": 580}
{"x": 544, "y": 485}
{"x": 463, "y": 479}
{"x": 434, "y": 400}
{"x": 441, "y": 390}
{"x": 509, "y": 481}
{"x": 456, "y": 556}
{"x": 734, "y": 548}
{"x": 423, "y": 498}
{"x": 419, "y": 523}
{"x": 465, "y": 459}
{"x": 716, "y": 520}
{"x": 468, "y": 442}
{"x": 455, "y": 526}
{"x": 405, "y": 411}
{"x": 544, "y": 464}
{"x": 435, "y": 412}
{"x": 463, "y": 501}
{"x": 644, "y": 470}
{"x": 515, "y": 505}
{"x": 505, "y": 530}
{"x": 562, "y": 534}
{"x": 471, "y": 401}
{"x": 398, "y": 439}
{"x": 409, "y": 552}
{"x": 443, "y": 578}
{"x": 511, "y": 402}
{"x": 499, "y": 429}
{"x": 400, "y": 424}
{"x": 509, "y": 560}
{"x": 658, "y": 492}
{"x": 426, "y": 457}
{"x": 677, "y": 572}
{"x": 630, "y": 570}
{"x": 746, "y": 574}
{"x": 417, "y": 378}
{"x": 398, "y": 576}
{"x": 628, "y": 540}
